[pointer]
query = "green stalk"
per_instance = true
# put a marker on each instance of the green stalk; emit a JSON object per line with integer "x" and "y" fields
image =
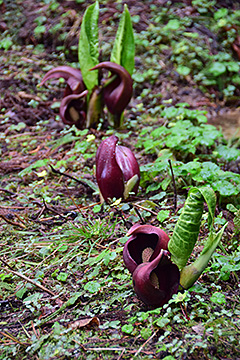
{"x": 115, "y": 120}
{"x": 191, "y": 273}
{"x": 94, "y": 108}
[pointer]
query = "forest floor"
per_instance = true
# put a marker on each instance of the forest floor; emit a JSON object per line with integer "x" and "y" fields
{"x": 64, "y": 290}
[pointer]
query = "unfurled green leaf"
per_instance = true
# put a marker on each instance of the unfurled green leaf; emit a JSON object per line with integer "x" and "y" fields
{"x": 146, "y": 333}
{"x": 36, "y": 165}
{"x": 88, "y": 46}
{"x": 217, "y": 69}
{"x": 163, "y": 215}
{"x": 123, "y": 49}
{"x": 186, "y": 231}
{"x": 183, "y": 70}
{"x": 127, "y": 328}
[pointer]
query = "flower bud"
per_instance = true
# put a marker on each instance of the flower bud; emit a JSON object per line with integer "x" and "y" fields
{"x": 116, "y": 168}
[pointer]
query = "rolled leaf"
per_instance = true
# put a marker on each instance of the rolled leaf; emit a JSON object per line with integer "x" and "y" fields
{"x": 210, "y": 198}
{"x": 124, "y": 49}
{"x": 191, "y": 273}
{"x": 186, "y": 231}
{"x": 88, "y": 53}
{"x": 94, "y": 108}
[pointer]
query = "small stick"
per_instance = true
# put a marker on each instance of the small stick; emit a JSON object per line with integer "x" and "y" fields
{"x": 29, "y": 336}
{"x": 104, "y": 348}
{"x": 8, "y": 191}
{"x": 139, "y": 215}
{"x": 11, "y": 337}
{"x": 46, "y": 207}
{"x": 174, "y": 186}
{"x": 123, "y": 351}
{"x": 123, "y": 219}
{"x": 13, "y": 222}
{"x": 27, "y": 279}
{"x": 146, "y": 209}
{"x": 141, "y": 347}
{"x": 69, "y": 176}
{"x": 37, "y": 333}
{"x": 53, "y": 253}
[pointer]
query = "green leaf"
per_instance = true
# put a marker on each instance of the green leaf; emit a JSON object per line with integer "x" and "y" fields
{"x": 221, "y": 13}
{"x": 88, "y": 46}
{"x": 22, "y": 291}
{"x": 228, "y": 153}
{"x": 146, "y": 333}
{"x": 218, "y": 298}
{"x": 162, "y": 322}
{"x": 62, "y": 276}
{"x": 73, "y": 299}
{"x": 63, "y": 248}
{"x": 225, "y": 188}
{"x": 30, "y": 168}
{"x": 217, "y": 68}
{"x": 186, "y": 231}
{"x": 163, "y": 215}
{"x": 191, "y": 273}
{"x": 127, "y": 328}
{"x": 173, "y": 24}
{"x": 123, "y": 49}
{"x": 183, "y": 70}
{"x": 92, "y": 287}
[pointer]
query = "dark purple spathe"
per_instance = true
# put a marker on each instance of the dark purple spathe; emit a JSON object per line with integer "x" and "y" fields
{"x": 118, "y": 91}
{"x": 155, "y": 282}
{"x": 144, "y": 244}
{"x": 115, "y": 165}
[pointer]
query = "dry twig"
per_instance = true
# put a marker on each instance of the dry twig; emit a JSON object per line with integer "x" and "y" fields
{"x": 27, "y": 278}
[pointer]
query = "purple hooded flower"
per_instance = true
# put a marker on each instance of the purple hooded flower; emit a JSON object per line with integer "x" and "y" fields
{"x": 156, "y": 281}
{"x": 144, "y": 244}
{"x": 117, "y": 170}
{"x": 73, "y": 105}
{"x": 117, "y": 91}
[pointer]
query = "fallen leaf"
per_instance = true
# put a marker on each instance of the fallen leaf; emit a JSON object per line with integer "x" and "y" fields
{"x": 87, "y": 323}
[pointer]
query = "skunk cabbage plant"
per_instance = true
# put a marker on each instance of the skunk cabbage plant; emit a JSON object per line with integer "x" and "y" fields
{"x": 73, "y": 105}
{"x": 156, "y": 281}
{"x": 144, "y": 244}
{"x": 86, "y": 94}
{"x": 159, "y": 265}
{"x": 117, "y": 90}
{"x": 155, "y": 277}
{"x": 117, "y": 170}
